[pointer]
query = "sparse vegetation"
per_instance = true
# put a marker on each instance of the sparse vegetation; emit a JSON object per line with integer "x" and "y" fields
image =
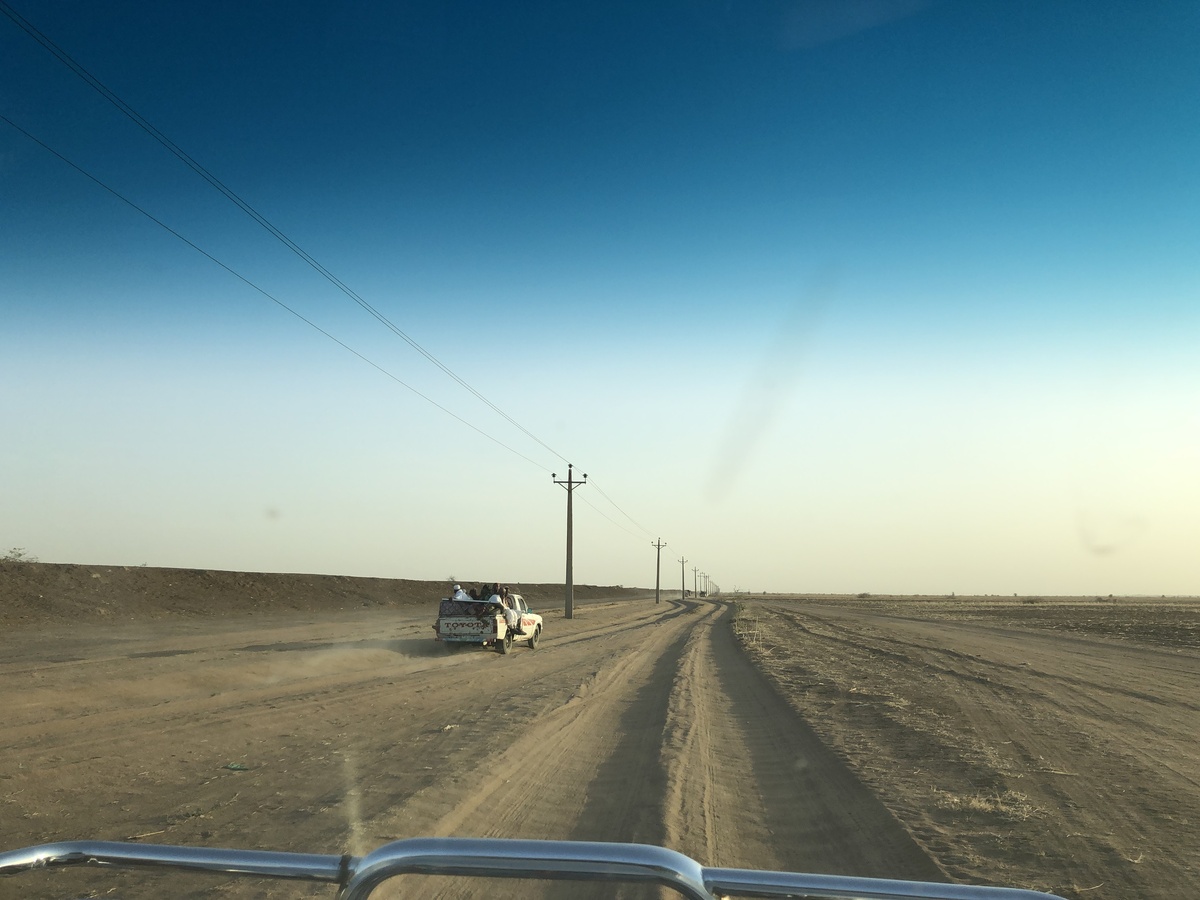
{"x": 745, "y": 626}
{"x": 17, "y": 554}
{"x": 1011, "y": 805}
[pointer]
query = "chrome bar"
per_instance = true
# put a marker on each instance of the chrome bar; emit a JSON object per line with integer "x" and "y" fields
{"x": 756, "y": 883}
{"x": 265, "y": 863}
{"x": 502, "y": 858}
{"x": 499, "y": 858}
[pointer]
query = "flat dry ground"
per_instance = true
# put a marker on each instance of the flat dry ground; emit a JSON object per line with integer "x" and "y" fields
{"x": 1043, "y": 743}
{"x": 897, "y": 740}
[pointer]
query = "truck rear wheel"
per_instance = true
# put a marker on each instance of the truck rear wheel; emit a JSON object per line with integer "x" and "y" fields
{"x": 505, "y": 644}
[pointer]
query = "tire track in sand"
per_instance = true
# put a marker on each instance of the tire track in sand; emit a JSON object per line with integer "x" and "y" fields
{"x": 588, "y": 769}
{"x": 678, "y": 740}
{"x": 749, "y": 784}
{"x": 557, "y": 779}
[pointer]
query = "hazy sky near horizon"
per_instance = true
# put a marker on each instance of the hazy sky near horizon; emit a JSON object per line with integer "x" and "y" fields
{"x": 870, "y": 295}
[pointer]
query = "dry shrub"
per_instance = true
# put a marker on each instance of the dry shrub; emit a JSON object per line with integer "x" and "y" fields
{"x": 1011, "y": 805}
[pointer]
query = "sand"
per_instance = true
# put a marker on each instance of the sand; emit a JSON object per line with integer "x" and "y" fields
{"x": 966, "y": 740}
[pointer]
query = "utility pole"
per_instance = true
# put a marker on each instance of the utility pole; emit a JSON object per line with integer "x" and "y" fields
{"x": 570, "y": 484}
{"x": 682, "y": 579}
{"x": 695, "y": 581}
{"x": 657, "y": 568}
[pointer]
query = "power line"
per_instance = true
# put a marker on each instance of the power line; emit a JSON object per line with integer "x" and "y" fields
{"x": 283, "y": 238}
{"x": 318, "y": 328}
{"x": 265, "y": 293}
{"x": 648, "y": 532}
{"x": 143, "y": 123}
{"x": 609, "y": 518}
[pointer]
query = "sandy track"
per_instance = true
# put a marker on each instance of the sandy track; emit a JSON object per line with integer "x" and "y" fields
{"x": 632, "y": 723}
{"x": 1017, "y": 755}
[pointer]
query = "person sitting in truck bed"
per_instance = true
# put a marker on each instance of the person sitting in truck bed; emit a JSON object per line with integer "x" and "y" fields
{"x": 512, "y": 618}
{"x": 499, "y": 597}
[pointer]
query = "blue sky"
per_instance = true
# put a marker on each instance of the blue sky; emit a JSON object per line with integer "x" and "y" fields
{"x": 879, "y": 295}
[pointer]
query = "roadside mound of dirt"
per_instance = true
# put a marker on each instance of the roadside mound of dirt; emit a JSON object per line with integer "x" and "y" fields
{"x": 49, "y": 593}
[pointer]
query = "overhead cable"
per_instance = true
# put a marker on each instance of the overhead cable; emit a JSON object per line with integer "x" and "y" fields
{"x": 267, "y": 294}
{"x": 648, "y": 532}
{"x": 603, "y": 515}
{"x": 279, "y": 235}
{"x": 63, "y": 57}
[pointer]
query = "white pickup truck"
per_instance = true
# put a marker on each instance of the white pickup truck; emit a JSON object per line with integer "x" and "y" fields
{"x": 482, "y": 622}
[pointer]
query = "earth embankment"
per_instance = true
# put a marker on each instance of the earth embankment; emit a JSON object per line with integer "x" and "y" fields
{"x": 34, "y": 594}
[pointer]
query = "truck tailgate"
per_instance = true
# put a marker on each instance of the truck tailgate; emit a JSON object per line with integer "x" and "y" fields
{"x": 466, "y": 628}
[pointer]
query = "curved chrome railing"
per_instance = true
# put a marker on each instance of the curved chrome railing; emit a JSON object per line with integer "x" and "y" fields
{"x": 357, "y": 877}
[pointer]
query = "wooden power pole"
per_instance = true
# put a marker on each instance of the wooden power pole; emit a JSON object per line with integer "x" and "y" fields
{"x": 570, "y": 484}
{"x": 657, "y": 568}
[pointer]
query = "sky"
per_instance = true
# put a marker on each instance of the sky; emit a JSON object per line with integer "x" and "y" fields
{"x": 860, "y": 296}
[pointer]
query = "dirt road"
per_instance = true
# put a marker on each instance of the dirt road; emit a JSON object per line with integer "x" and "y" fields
{"x": 336, "y": 732}
{"x": 1045, "y": 744}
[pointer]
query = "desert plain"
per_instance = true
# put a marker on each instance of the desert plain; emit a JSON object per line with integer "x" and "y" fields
{"x": 1038, "y": 742}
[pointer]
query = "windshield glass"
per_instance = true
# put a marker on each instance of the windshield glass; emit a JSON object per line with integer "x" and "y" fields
{"x": 822, "y": 372}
